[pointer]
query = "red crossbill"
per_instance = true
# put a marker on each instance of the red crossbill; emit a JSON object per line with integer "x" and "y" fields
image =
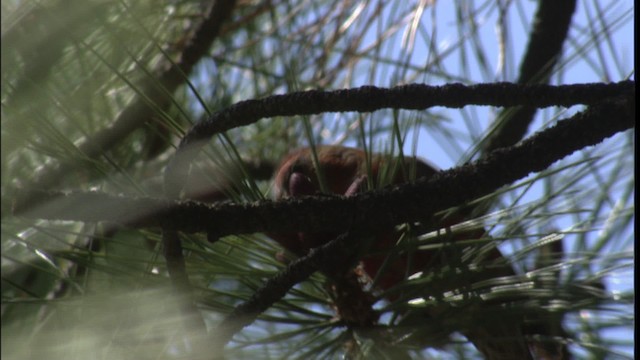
{"x": 346, "y": 171}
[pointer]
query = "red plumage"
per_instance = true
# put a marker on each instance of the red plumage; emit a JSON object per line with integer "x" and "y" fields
{"x": 347, "y": 171}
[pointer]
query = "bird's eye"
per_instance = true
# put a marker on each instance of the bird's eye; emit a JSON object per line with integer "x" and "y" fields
{"x": 300, "y": 184}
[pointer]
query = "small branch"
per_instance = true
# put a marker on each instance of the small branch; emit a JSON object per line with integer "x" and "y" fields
{"x": 325, "y": 257}
{"x": 549, "y": 32}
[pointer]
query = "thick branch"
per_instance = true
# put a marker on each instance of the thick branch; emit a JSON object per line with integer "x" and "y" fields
{"x": 370, "y": 98}
{"x": 378, "y": 209}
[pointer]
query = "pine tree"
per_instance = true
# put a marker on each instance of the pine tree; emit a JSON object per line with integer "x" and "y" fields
{"x": 123, "y": 122}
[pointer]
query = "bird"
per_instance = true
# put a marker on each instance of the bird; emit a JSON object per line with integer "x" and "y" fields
{"x": 341, "y": 170}
{"x": 344, "y": 170}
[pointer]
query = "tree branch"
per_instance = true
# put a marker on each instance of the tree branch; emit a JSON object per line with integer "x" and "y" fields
{"x": 550, "y": 29}
{"x": 381, "y": 208}
{"x": 370, "y": 98}
{"x": 323, "y": 258}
